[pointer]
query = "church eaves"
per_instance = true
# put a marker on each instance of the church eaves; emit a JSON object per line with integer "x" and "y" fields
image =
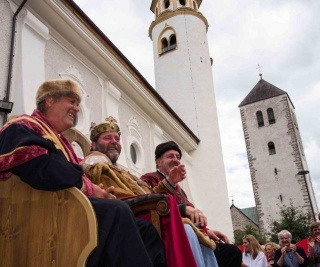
{"x": 262, "y": 90}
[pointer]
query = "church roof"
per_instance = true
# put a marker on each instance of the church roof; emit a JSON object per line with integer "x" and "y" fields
{"x": 251, "y": 213}
{"x": 262, "y": 90}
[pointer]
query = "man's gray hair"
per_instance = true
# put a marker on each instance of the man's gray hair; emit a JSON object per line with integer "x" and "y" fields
{"x": 284, "y": 232}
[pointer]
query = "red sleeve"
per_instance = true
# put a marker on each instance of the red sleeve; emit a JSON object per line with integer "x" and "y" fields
{"x": 151, "y": 178}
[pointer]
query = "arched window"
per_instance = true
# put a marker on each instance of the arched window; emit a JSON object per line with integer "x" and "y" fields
{"x": 272, "y": 149}
{"x": 173, "y": 42}
{"x": 133, "y": 153}
{"x": 182, "y": 2}
{"x": 260, "y": 118}
{"x": 164, "y": 45}
{"x": 166, "y": 3}
{"x": 271, "y": 116}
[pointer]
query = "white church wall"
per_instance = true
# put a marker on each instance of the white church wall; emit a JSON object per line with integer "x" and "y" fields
{"x": 28, "y": 70}
{"x": 135, "y": 129}
{"x": 62, "y": 63}
{"x": 5, "y": 40}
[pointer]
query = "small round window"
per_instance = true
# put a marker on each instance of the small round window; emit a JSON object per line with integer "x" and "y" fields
{"x": 133, "y": 154}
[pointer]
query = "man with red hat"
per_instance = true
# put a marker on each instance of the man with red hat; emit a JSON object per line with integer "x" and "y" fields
{"x": 170, "y": 171}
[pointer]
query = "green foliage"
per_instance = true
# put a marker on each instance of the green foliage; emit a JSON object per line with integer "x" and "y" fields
{"x": 293, "y": 219}
{"x": 248, "y": 230}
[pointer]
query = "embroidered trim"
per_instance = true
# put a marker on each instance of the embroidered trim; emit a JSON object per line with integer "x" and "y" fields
{"x": 170, "y": 188}
{"x": 50, "y": 135}
{"x": 13, "y": 151}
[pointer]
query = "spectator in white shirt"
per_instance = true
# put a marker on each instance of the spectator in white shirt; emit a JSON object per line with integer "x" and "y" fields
{"x": 253, "y": 255}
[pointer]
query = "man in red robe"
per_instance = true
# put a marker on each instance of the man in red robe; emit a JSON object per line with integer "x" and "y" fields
{"x": 170, "y": 171}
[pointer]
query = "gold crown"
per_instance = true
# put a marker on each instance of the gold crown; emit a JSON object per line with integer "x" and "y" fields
{"x": 109, "y": 126}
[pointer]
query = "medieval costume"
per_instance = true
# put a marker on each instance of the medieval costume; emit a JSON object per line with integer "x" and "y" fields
{"x": 31, "y": 149}
{"x": 227, "y": 255}
{"x": 99, "y": 169}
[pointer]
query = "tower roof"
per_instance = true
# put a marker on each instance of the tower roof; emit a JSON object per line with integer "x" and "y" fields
{"x": 261, "y": 91}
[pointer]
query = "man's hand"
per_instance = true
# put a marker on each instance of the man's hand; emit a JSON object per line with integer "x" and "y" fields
{"x": 98, "y": 191}
{"x": 293, "y": 248}
{"x": 284, "y": 250}
{"x": 196, "y": 216}
{"x": 218, "y": 236}
{"x": 177, "y": 174}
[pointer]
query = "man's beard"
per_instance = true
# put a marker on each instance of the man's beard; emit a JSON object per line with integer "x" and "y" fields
{"x": 111, "y": 151}
{"x": 113, "y": 155}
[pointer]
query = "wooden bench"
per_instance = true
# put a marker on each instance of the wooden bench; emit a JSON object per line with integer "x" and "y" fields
{"x": 42, "y": 228}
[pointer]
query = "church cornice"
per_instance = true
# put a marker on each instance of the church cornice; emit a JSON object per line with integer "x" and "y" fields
{"x": 181, "y": 11}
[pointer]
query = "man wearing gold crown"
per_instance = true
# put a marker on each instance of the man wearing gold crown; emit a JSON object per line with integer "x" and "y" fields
{"x": 101, "y": 167}
{"x": 33, "y": 148}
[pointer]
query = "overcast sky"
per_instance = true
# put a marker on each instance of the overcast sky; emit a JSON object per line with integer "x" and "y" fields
{"x": 283, "y": 36}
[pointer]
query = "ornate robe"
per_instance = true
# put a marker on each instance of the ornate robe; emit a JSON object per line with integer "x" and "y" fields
{"x": 31, "y": 149}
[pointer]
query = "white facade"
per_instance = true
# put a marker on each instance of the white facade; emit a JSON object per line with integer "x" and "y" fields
{"x": 274, "y": 171}
{"x": 183, "y": 76}
{"x": 54, "y": 41}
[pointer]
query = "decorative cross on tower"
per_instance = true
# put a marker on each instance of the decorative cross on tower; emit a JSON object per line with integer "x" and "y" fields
{"x": 232, "y": 199}
{"x": 259, "y": 68}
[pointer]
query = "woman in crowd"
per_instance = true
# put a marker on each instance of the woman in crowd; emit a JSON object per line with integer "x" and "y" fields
{"x": 314, "y": 244}
{"x": 270, "y": 249}
{"x": 253, "y": 255}
{"x": 289, "y": 255}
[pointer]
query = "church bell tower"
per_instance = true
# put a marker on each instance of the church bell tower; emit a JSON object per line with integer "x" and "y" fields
{"x": 183, "y": 77}
{"x": 278, "y": 166}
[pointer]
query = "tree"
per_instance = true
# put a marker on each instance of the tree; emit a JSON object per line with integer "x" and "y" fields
{"x": 248, "y": 230}
{"x": 293, "y": 219}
